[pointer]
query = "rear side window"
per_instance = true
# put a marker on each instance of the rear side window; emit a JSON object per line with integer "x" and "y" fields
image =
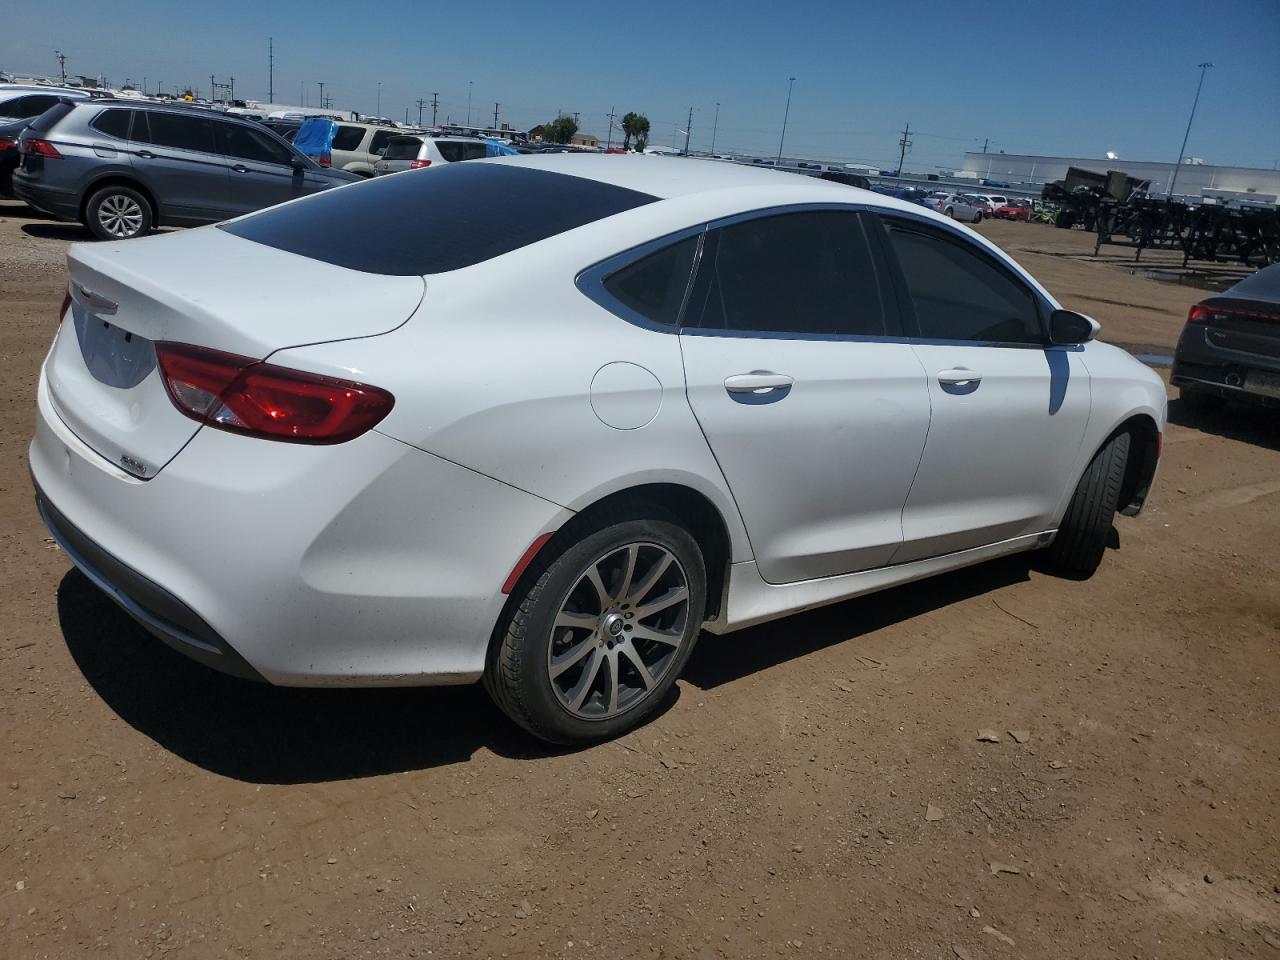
{"x": 114, "y": 123}
{"x": 456, "y": 150}
{"x": 177, "y": 132}
{"x": 46, "y": 120}
{"x": 402, "y": 148}
{"x": 348, "y": 138}
{"x": 654, "y": 286}
{"x": 378, "y": 144}
{"x": 796, "y": 273}
{"x": 459, "y": 215}
{"x": 249, "y": 144}
{"x": 959, "y": 292}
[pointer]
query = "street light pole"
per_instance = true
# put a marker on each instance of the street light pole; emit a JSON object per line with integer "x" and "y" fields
{"x": 1183, "y": 150}
{"x": 469, "y": 103}
{"x": 786, "y": 113}
{"x": 714, "y": 126}
{"x": 379, "y": 98}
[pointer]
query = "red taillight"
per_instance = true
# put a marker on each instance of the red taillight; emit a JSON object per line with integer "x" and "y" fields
{"x": 7, "y": 143}
{"x": 1198, "y": 314}
{"x": 247, "y": 396}
{"x": 1212, "y": 313}
{"x": 419, "y": 164}
{"x": 325, "y": 160}
{"x": 34, "y": 146}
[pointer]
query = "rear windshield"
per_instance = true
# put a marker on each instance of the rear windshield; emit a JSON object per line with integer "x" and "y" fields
{"x": 403, "y": 148}
{"x": 448, "y": 218}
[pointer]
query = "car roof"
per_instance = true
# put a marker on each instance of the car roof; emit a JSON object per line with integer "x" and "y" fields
{"x": 667, "y": 177}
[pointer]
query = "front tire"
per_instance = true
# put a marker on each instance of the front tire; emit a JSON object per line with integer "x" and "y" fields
{"x": 590, "y": 648}
{"x": 118, "y": 213}
{"x": 1082, "y": 536}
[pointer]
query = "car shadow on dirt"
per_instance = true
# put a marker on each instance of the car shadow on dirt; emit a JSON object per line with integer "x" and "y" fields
{"x": 264, "y": 734}
{"x": 721, "y": 660}
{"x": 1250, "y": 423}
{"x": 58, "y": 230}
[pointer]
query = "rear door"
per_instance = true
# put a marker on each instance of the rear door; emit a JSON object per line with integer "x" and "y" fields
{"x": 262, "y": 170}
{"x": 813, "y": 404}
{"x": 180, "y": 161}
{"x": 1009, "y": 411}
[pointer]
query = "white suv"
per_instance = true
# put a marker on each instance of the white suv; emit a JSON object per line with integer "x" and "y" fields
{"x": 357, "y": 147}
{"x": 414, "y": 153}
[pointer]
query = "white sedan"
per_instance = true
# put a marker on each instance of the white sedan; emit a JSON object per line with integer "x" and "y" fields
{"x": 540, "y": 421}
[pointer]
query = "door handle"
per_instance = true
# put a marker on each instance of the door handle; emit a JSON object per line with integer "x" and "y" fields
{"x": 758, "y": 386}
{"x": 240, "y": 168}
{"x": 146, "y": 155}
{"x": 959, "y": 377}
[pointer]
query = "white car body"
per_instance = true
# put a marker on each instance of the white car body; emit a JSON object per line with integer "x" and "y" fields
{"x": 383, "y": 559}
{"x": 418, "y": 152}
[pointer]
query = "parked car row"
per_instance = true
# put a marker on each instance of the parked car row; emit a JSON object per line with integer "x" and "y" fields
{"x": 123, "y": 167}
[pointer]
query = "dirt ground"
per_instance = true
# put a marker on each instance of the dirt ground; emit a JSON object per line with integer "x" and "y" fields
{"x": 817, "y": 787}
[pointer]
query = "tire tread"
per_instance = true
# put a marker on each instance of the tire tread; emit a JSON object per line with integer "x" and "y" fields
{"x": 1082, "y": 536}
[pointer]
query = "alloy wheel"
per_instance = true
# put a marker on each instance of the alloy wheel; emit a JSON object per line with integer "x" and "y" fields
{"x": 618, "y": 631}
{"x": 120, "y": 215}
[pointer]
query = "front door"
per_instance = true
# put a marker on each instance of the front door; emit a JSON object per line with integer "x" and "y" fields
{"x": 816, "y": 417}
{"x": 261, "y": 168}
{"x": 1009, "y": 411}
{"x": 179, "y": 160}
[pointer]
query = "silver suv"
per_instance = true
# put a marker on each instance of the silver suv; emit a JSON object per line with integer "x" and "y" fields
{"x": 122, "y": 167}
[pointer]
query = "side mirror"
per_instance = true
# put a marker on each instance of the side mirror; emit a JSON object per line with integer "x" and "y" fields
{"x": 1068, "y": 328}
{"x": 299, "y": 165}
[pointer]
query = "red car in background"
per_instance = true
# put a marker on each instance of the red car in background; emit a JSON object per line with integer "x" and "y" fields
{"x": 1014, "y": 210}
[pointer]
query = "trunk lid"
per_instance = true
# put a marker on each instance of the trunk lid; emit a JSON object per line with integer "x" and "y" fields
{"x": 204, "y": 287}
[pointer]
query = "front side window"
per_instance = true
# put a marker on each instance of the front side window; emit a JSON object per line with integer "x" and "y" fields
{"x": 178, "y": 132}
{"x": 252, "y": 145}
{"x": 348, "y": 138}
{"x": 959, "y": 292}
{"x": 654, "y": 286}
{"x": 402, "y": 148}
{"x": 796, "y": 273}
{"x": 114, "y": 123}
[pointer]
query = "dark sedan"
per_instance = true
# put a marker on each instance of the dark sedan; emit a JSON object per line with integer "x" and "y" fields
{"x": 1230, "y": 346}
{"x": 9, "y": 156}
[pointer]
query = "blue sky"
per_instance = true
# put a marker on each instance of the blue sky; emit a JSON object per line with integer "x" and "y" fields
{"x": 1072, "y": 76}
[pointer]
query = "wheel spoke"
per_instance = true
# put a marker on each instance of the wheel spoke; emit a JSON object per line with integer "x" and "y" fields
{"x": 612, "y": 705}
{"x": 633, "y": 655}
{"x": 624, "y": 585}
{"x": 642, "y": 589}
{"x": 592, "y": 576}
{"x": 671, "y": 639}
{"x": 668, "y": 599}
{"x": 574, "y": 655}
{"x": 577, "y": 621}
{"x": 578, "y": 695}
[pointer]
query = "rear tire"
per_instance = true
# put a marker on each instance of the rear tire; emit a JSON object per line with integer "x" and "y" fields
{"x": 118, "y": 213}
{"x": 1082, "y": 536}
{"x": 575, "y": 658}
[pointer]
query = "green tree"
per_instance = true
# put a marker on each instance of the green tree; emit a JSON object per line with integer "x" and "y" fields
{"x": 559, "y": 130}
{"x": 635, "y": 125}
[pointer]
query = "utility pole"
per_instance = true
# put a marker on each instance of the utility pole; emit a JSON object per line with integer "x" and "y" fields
{"x": 213, "y": 90}
{"x": 62, "y": 63}
{"x": 786, "y": 113}
{"x": 1183, "y": 150}
{"x": 421, "y": 104}
{"x": 322, "y": 103}
{"x": 468, "y": 103}
{"x": 379, "y": 98}
{"x": 232, "y": 88}
{"x": 435, "y": 106}
{"x": 612, "y": 116}
{"x": 714, "y": 127}
{"x": 985, "y": 141}
{"x": 687, "y": 129}
{"x": 271, "y": 70}
{"x": 577, "y": 119}
{"x": 904, "y": 143}
{"x": 495, "y": 114}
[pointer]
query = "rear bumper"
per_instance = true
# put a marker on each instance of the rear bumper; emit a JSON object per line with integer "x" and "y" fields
{"x": 1200, "y": 365}
{"x": 364, "y": 563}
{"x": 64, "y": 204}
{"x": 159, "y": 611}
